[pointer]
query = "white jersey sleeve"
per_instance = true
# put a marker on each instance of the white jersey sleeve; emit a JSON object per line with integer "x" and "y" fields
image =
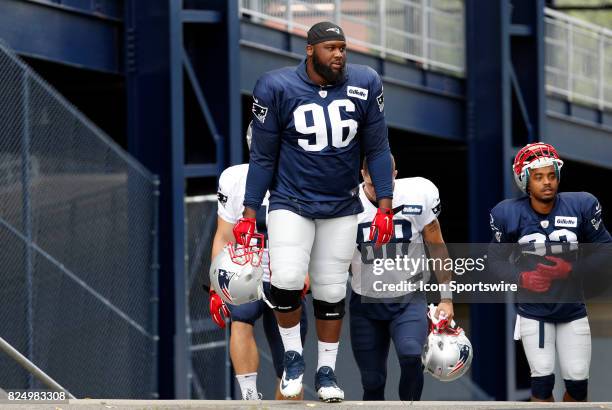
{"x": 431, "y": 199}
{"x": 230, "y": 194}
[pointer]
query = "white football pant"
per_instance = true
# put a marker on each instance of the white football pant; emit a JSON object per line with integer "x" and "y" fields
{"x": 322, "y": 248}
{"x": 572, "y": 340}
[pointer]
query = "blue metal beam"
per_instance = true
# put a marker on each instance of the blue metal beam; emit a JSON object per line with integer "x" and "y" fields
{"x": 200, "y": 16}
{"x": 62, "y": 34}
{"x": 580, "y": 140}
{"x": 489, "y": 91}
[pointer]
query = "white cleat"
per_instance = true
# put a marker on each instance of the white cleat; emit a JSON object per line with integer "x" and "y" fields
{"x": 327, "y": 386}
{"x": 291, "y": 382}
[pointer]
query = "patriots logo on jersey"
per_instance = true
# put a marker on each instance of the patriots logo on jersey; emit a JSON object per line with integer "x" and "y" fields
{"x": 464, "y": 354}
{"x": 260, "y": 112}
{"x": 596, "y": 222}
{"x": 437, "y": 209}
{"x": 222, "y": 198}
{"x": 381, "y": 102}
{"x": 494, "y": 228}
{"x": 224, "y": 281}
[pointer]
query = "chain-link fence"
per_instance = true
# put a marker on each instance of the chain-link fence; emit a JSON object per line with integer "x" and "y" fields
{"x": 209, "y": 356}
{"x": 78, "y": 227}
{"x": 430, "y": 32}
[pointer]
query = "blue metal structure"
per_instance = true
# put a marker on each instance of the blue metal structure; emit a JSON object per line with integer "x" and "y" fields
{"x": 82, "y": 33}
{"x": 176, "y": 52}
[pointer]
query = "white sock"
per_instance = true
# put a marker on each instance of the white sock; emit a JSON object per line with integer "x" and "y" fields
{"x": 292, "y": 339}
{"x": 327, "y": 354}
{"x": 247, "y": 382}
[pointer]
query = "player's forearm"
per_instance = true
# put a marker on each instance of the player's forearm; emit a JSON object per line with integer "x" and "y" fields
{"x": 385, "y": 203}
{"x": 258, "y": 183}
{"x": 223, "y": 235}
{"x": 381, "y": 170}
{"x": 439, "y": 252}
{"x": 217, "y": 246}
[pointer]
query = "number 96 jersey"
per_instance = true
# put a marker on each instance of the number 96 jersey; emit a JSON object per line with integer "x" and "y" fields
{"x": 309, "y": 137}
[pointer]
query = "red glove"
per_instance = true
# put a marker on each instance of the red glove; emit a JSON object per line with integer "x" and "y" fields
{"x": 535, "y": 281}
{"x": 218, "y": 309}
{"x": 244, "y": 230}
{"x": 560, "y": 270}
{"x": 382, "y": 226}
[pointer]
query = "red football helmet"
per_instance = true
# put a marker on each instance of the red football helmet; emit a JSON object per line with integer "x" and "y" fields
{"x": 252, "y": 254}
{"x": 536, "y": 155}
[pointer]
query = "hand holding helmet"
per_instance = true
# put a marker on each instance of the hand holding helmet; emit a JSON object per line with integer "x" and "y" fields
{"x": 448, "y": 353}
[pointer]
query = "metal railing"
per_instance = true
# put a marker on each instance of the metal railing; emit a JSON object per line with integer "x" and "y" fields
{"x": 429, "y": 32}
{"x": 78, "y": 228}
{"x": 578, "y": 60}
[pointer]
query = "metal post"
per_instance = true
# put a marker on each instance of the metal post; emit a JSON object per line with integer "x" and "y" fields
{"x": 182, "y": 369}
{"x": 27, "y": 220}
{"x": 289, "y": 16}
{"x": 382, "y": 14}
{"x": 570, "y": 60}
{"x": 600, "y": 77}
{"x": 31, "y": 367}
{"x": 154, "y": 304}
{"x": 338, "y": 11}
{"x": 424, "y": 33}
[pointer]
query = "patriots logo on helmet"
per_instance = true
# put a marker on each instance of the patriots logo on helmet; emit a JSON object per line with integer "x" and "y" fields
{"x": 224, "y": 281}
{"x": 464, "y": 354}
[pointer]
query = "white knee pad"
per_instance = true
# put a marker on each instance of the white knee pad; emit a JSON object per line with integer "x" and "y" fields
{"x": 290, "y": 243}
{"x": 574, "y": 346}
{"x": 541, "y": 359}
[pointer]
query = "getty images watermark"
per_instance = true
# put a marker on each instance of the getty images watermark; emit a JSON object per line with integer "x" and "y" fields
{"x": 481, "y": 272}
{"x": 406, "y": 274}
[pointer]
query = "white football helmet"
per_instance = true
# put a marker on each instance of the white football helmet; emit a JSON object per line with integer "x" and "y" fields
{"x": 236, "y": 275}
{"x": 531, "y": 156}
{"x": 447, "y": 354}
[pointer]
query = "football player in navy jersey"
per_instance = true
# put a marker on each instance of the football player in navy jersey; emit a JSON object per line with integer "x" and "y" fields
{"x": 378, "y": 317}
{"x": 548, "y": 226}
{"x": 243, "y": 349}
{"x": 309, "y": 124}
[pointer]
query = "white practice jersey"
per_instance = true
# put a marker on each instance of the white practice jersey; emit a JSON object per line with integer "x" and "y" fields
{"x": 416, "y": 203}
{"x": 230, "y": 198}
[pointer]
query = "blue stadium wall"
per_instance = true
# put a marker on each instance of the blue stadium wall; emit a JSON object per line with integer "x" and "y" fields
{"x": 124, "y": 66}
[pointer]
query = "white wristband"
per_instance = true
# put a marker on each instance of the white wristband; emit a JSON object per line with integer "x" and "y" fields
{"x": 445, "y": 292}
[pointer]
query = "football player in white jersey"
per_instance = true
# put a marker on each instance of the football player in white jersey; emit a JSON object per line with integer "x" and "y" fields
{"x": 243, "y": 349}
{"x": 375, "y": 317}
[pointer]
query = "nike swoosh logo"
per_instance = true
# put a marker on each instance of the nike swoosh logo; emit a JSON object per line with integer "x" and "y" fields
{"x": 283, "y": 385}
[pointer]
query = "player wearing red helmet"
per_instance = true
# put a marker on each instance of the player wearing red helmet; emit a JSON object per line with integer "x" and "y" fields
{"x": 547, "y": 227}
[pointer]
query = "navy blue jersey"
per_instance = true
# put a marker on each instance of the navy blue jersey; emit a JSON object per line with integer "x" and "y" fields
{"x": 307, "y": 139}
{"x": 575, "y": 218}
